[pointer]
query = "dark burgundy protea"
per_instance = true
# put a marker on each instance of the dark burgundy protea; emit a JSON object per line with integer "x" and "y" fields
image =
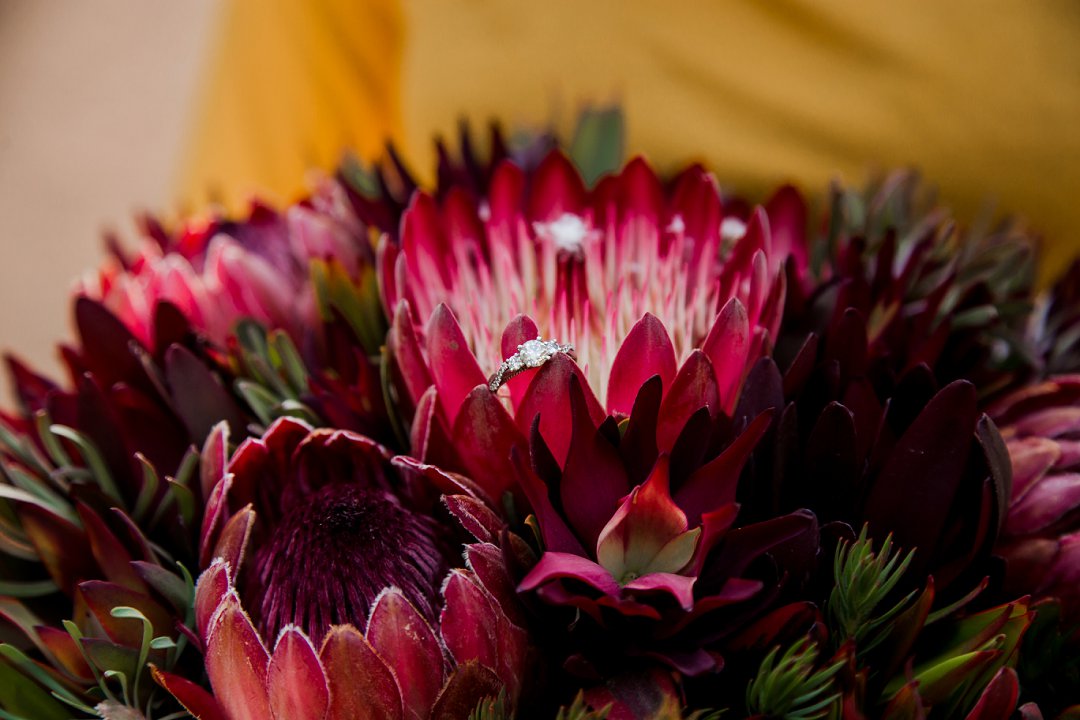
{"x": 311, "y": 539}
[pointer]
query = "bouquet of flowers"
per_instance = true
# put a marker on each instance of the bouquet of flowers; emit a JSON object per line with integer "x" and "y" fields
{"x": 556, "y": 437}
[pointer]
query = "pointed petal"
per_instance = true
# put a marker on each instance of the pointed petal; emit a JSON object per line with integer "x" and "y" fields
{"x": 998, "y": 698}
{"x": 295, "y": 680}
{"x": 195, "y": 700}
{"x": 236, "y": 663}
{"x": 547, "y": 397}
{"x": 646, "y": 351}
{"x": 694, "y": 388}
{"x": 727, "y": 346}
{"x": 400, "y": 634}
{"x": 453, "y": 366}
{"x": 470, "y": 683}
{"x": 679, "y": 587}
{"x": 557, "y": 189}
{"x": 234, "y": 538}
{"x": 214, "y": 458}
{"x": 111, "y": 555}
{"x": 476, "y": 517}
{"x": 210, "y": 590}
{"x": 555, "y": 565}
{"x": 408, "y": 358}
{"x": 489, "y": 567}
{"x": 713, "y": 484}
{"x": 924, "y": 471}
{"x": 593, "y": 479}
{"x": 361, "y": 684}
{"x": 466, "y": 621}
{"x": 484, "y": 434}
{"x": 646, "y": 521}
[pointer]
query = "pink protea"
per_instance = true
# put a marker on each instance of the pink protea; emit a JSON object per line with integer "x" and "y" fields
{"x": 218, "y": 271}
{"x": 640, "y": 280}
{"x": 317, "y": 549}
{"x": 1041, "y": 535}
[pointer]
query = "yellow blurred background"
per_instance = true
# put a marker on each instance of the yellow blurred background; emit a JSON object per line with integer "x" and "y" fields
{"x": 110, "y": 106}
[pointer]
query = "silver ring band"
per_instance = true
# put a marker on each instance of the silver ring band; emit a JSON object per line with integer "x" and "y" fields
{"x": 529, "y": 355}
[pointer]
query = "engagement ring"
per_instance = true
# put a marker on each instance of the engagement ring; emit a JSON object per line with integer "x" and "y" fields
{"x": 531, "y": 354}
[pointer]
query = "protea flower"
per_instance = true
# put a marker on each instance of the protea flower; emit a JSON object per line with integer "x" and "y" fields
{"x": 218, "y": 271}
{"x": 637, "y": 281}
{"x": 315, "y": 542}
{"x": 631, "y": 460}
{"x": 288, "y": 300}
{"x": 1041, "y": 536}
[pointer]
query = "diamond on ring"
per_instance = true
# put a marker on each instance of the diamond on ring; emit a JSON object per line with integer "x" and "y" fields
{"x": 530, "y": 354}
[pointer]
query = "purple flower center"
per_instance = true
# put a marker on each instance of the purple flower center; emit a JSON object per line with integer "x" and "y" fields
{"x": 334, "y": 552}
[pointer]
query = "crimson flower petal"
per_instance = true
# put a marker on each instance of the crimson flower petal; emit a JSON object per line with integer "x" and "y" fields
{"x": 236, "y": 662}
{"x": 400, "y": 634}
{"x": 646, "y": 351}
{"x": 297, "y": 685}
{"x": 361, "y": 684}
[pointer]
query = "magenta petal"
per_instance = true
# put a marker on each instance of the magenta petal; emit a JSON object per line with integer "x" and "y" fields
{"x": 713, "y": 484}
{"x": 236, "y": 663}
{"x": 505, "y": 198}
{"x": 489, "y": 566}
{"x": 476, "y": 517}
{"x": 467, "y": 622}
{"x": 787, "y": 222}
{"x": 642, "y": 198}
{"x": 696, "y": 200}
{"x": 1046, "y": 502}
{"x": 556, "y": 533}
{"x": 694, "y": 388}
{"x": 547, "y": 396}
{"x": 429, "y": 436}
{"x": 361, "y": 684}
{"x": 593, "y": 479}
{"x": 484, "y": 434}
{"x": 423, "y": 241}
{"x": 556, "y": 189}
{"x": 408, "y": 358}
{"x": 400, "y": 634}
{"x": 556, "y": 565}
{"x": 452, "y": 363}
{"x": 646, "y": 351}
{"x": 295, "y": 679}
{"x": 679, "y": 587}
{"x": 727, "y": 346}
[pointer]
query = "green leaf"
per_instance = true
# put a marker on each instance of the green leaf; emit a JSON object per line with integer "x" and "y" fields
{"x": 38, "y": 588}
{"x": 598, "y": 145}
{"x": 791, "y": 686}
{"x": 93, "y": 460}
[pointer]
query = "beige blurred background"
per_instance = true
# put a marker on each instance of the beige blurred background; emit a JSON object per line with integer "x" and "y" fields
{"x": 95, "y": 97}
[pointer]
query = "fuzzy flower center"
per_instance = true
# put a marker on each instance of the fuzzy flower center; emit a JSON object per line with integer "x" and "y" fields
{"x": 333, "y": 553}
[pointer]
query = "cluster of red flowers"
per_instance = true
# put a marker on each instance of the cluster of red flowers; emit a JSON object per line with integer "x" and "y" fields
{"x": 522, "y": 446}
